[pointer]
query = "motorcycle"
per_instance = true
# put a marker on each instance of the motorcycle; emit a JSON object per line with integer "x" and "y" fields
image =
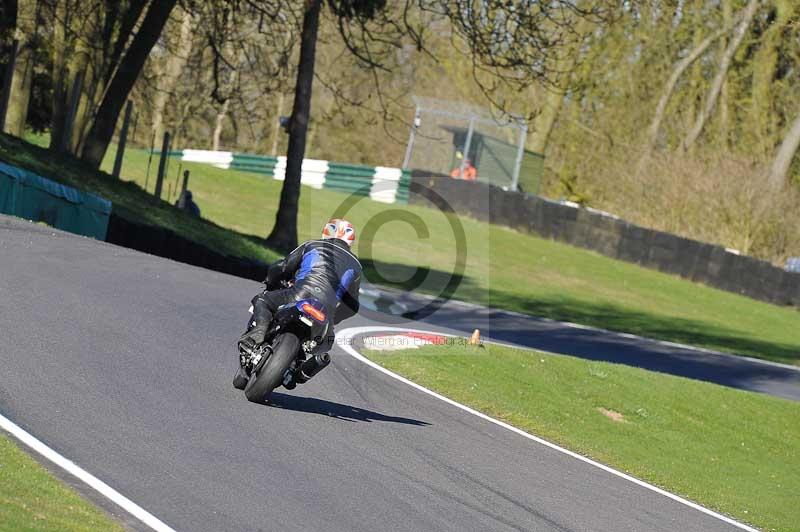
{"x": 294, "y": 350}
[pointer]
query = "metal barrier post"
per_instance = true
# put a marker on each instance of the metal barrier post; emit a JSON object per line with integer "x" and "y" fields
{"x": 520, "y": 153}
{"x": 467, "y": 144}
{"x": 410, "y": 146}
{"x": 182, "y": 195}
{"x": 162, "y": 165}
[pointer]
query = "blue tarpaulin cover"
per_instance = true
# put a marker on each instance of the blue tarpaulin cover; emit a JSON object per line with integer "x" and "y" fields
{"x": 31, "y": 196}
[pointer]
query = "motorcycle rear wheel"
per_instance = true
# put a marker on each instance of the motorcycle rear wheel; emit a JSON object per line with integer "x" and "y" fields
{"x": 263, "y": 381}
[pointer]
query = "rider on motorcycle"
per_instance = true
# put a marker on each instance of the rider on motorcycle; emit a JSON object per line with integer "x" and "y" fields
{"x": 325, "y": 269}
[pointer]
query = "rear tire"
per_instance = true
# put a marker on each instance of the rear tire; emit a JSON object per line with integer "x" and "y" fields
{"x": 270, "y": 376}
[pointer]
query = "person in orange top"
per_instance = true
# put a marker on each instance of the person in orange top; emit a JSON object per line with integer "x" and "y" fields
{"x": 470, "y": 172}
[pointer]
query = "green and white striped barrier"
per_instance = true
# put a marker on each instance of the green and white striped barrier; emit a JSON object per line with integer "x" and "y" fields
{"x": 387, "y": 185}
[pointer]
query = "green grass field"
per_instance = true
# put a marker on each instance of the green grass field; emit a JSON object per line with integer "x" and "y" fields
{"x": 735, "y": 452}
{"x": 507, "y": 269}
{"x": 504, "y": 268}
{"x": 744, "y": 466}
{"x": 129, "y": 200}
{"x": 32, "y": 499}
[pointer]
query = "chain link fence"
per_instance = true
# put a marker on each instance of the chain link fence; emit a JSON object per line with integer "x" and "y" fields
{"x": 464, "y": 141}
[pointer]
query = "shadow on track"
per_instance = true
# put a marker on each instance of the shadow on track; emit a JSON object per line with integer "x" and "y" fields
{"x": 561, "y": 307}
{"x": 312, "y": 405}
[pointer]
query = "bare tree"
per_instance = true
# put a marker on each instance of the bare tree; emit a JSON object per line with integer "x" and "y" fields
{"x": 61, "y": 22}
{"x": 779, "y": 171}
{"x": 284, "y": 232}
{"x": 766, "y": 64}
{"x": 669, "y": 87}
{"x": 506, "y": 40}
{"x": 123, "y": 79}
{"x": 519, "y": 45}
{"x": 22, "y": 77}
{"x": 176, "y": 56}
{"x": 370, "y": 32}
{"x": 722, "y": 72}
{"x": 88, "y": 40}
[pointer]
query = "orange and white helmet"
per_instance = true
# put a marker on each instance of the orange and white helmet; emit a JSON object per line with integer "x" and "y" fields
{"x": 341, "y": 229}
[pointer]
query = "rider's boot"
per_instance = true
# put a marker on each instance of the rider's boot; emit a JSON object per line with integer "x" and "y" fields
{"x": 259, "y": 324}
{"x": 255, "y": 335}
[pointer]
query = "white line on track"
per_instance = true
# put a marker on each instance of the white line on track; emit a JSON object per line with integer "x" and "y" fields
{"x": 346, "y": 344}
{"x": 70, "y": 467}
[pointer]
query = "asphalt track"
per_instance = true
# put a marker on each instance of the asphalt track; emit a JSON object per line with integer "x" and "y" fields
{"x": 512, "y": 328}
{"x": 122, "y": 362}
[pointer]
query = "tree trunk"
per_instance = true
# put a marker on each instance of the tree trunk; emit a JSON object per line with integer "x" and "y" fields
{"x": 22, "y": 78}
{"x": 722, "y": 72}
{"x": 71, "y": 59}
{"x": 544, "y": 121}
{"x": 173, "y": 68}
{"x": 82, "y": 62}
{"x": 127, "y": 24}
{"x": 59, "y": 74}
{"x": 89, "y": 102}
{"x": 102, "y": 61}
{"x": 95, "y": 39}
{"x": 765, "y": 63}
{"x": 122, "y": 82}
{"x": 695, "y": 79}
{"x": 724, "y": 96}
{"x": 284, "y": 233}
{"x": 218, "y": 124}
{"x": 223, "y": 111}
{"x": 313, "y": 127}
{"x": 92, "y": 77}
{"x": 669, "y": 87}
{"x": 779, "y": 172}
{"x": 78, "y": 66}
{"x": 565, "y": 64}
{"x": 276, "y": 125}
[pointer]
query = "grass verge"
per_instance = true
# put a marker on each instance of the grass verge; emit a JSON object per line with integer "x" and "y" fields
{"x": 129, "y": 200}
{"x": 732, "y": 451}
{"x": 32, "y": 499}
{"x": 503, "y": 268}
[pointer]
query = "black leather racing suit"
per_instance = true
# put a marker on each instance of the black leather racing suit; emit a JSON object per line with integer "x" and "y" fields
{"x": 323, "y": 269}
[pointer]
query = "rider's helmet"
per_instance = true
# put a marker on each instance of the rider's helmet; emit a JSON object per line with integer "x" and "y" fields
{"x": 341, "y": 229}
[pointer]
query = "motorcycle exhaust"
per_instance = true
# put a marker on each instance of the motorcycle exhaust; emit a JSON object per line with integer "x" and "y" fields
{"x": 312, "y": 366}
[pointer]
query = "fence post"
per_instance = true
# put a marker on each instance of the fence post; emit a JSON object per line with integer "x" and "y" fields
{"x": 520, "y": 153}
{"x": 184, "y": 186}
{"x": 467, "y": 144}
{"x": 162, "y": 165}
{"x": 123, "y": 137}
{"x": 410, "y": 146}
{"x": 149, "y": 160}
{"x": 177, "y": 178}
{"x": 7, "y": 80}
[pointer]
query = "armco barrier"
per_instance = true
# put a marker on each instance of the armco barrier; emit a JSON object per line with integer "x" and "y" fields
{"x": 613, "y": 237}
{"x": 387, "y": 185}
{"x": 312, "y": 172}
{"x": 30, "y": 196}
